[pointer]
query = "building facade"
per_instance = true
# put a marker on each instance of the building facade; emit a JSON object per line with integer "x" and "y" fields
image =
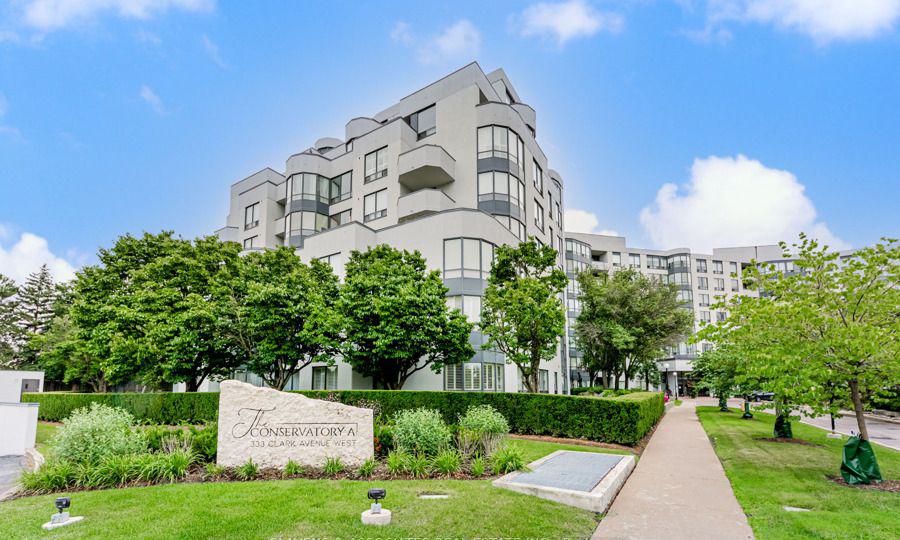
{"x": 703, "y": 280}
{"x": 452, "y": 170}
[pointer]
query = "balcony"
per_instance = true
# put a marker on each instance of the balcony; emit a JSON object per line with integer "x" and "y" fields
{"x": 428, "y": 166}
{"x": 423, "y": 202}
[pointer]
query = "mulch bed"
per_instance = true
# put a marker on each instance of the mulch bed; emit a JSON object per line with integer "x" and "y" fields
{"x": 892, "y": 486}
{"x": 786, "y": 440}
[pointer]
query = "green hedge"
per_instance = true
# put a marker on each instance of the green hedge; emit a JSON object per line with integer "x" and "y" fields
{"x": 604, "y": 392}
{"x": 625, "y": 419}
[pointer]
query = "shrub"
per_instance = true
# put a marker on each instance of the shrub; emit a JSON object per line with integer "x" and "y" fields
{"x": 94, "y": 432}
{"x": 396, "y": 462}
{"x": 447, "y": 462}
{"x": 54, "y": 475}
{"x": 481, "y": 430}
{"x": 508, "y": 459}
{"x": 384, "y": 438}
{"x": 205, "y": 440}
{"x": 292, "y": 468}
{"x": 367, "y": 469}
{"x": 333, "y": 466}
{"x": 623, "y": 420}
{"x": 477, "y": 466}
{"x": 417, "y": 465}
{"x": 248, "y": 470}
{"x": 214, "y": 470}
{"x": 421, "y": 431}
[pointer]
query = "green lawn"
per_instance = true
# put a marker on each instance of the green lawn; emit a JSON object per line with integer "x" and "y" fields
{"x": 45, "y": 430}
{"x": 306, "y": 508}
{"x": 767, "y": 476}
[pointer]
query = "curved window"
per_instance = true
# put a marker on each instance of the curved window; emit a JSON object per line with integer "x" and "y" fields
{"x": 514, "y": 225}
{"x": 501, "y": 186}
{"x": 501, "y": 142}
{"x": 577, "y": 248}
{"x": 467, "y": 257}
{"x": 306, "y": 223}
{"x": 310, "y": 187}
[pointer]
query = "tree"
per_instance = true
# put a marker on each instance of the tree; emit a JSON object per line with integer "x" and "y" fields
{"x": 394, "y": 318}
{"x": 626, "y": 320}
{"x": 717, "y": 371}
{"x": 63, "y": 357}
{"x": 10, "y": 328}
{"x": 281, "y": 314}
{"x": 36, "y": 300}
{"x": 522, "y": 312}
{"x": 108, "y": 329}
{"x": 174, "y": 299}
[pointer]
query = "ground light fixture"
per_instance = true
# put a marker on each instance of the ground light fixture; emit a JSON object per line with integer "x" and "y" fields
{"x": 376, "y": 515}
{"x": 61, "y": 518}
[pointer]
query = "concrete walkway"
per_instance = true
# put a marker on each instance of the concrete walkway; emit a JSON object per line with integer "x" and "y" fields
{"x": 678, "y": 489}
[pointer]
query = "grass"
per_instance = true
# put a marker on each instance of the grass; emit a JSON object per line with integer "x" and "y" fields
{"x": 766, "y": 476}
{"x": 533, "y": 450}
{"x": 45, "y": 430}
{"x": 306, "y": 508}
{"x": 678, "y": 403}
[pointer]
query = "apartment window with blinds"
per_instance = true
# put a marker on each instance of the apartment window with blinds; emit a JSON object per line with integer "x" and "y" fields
{"x": 501, "y": 142}
{"x": 705, "y": 316}
{"x": 735, "y": 287}
{"x": 424, "y": 122}
{"x": 718, "y": 268}
{"x": 537, "y": 176}
{"x": 376, "y": 165}
{"x": 453, "y": 377}
{"x": 704, "y": 300}
{"x": 543, "y": 381}
{"x": 341, "y": 187}
{"x": 701, "y": 265}
{"x": 324, "y": 378}
{"x": 251, "y": 216}
{"x": 501, "y": 186}
{"x": 470, "y": 306}
{"x": 703, "y": 283}
{"x": 733, "y": 268}
{"x": 634, "y": 260}
{"x": 493, "y": 377}
{"x": 310, "y": 187}
{"x": 538, "y": 215}
{"x": 468, "y": 258}
{"x": 375, "y": 205}
{"x": 472, "y": 376}
{"x": 656, "y": 262}
{"x": 719, "y": 284}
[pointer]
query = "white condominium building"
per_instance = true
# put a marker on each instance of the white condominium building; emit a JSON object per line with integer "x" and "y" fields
{"x": 452, "y": 170}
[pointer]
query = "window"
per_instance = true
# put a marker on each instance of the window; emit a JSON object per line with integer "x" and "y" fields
{"x": 634, "y": 260}
{"x": 719, "y": 284}
{"x": 656, "y": 262}
{"x": 720, "y": 316}
{"x": 616, "y": 258}
{"x": 376, "y": 165}
{"x": 684, "y": 296}
{"x": 375, "y": 205}
{"x": 324, "y": 377}
{"x": 578, "y": 249}
{"x": 543, "y": 381}
{"x": 349, "y": 146}
{"x": 470, "y": 306}
{"x": 537, "y": 176}
{"x": 704, "y": 300}
{"x": 336, "y": 220}
{"x": 733, "y": 269}
{"x": 251, "y": 216}
{"x": 680, "y": 278}
{"x": 538, "y": 215}
{"x": 703, "y": 283}
{"x": 679, "y": 263}
{"x": 734, "y": 286}
{"x": 471, "y": 376}
{"x": 701, "y": 265}
{"x": 306, "y": 223}
{"x": 331, "y": 259}
{"x": 705, "y": 316}
{"x": 453, "y": 377}
{"x": 501, "y": 142}
{"x": 501, "y": 186}
{"x": 717, "y": 267}
{"x": 311, "y": 187}
{"x": 557, "y": 212}
{"x": 249, "y": 242}
{"x": 514, "y": 225}
{"x": 493, "y": 377}
{"x": 467, "y": 257}
{"x": 424, "y": 122}
{"x": 341, "y": 187}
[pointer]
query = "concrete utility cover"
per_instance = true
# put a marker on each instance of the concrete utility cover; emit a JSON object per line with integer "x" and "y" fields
{"x": 577, "y": 471}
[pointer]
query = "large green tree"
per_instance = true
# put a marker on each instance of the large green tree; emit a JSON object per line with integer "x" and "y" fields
{"x": 394, "y": 319}
{"x": 280, "y": 314}
{"x": 63, "y": 357}
{"x": 10, "y": 328}
{"x": 626, "y": 321}
{"x": 522, "y": 311}
{"x": 37, "y": 298}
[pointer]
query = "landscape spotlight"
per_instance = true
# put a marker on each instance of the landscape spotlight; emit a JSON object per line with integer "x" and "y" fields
{"x": 62, "y": 503}
{"x": 376, "y": 494}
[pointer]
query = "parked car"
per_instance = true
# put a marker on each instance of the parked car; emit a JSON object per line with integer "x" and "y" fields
{"x": 762, "y": 396}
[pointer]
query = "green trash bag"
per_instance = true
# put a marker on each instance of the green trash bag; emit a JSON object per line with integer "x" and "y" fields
{"x": 783, "y": 427}
{"x": 859, "y": 465}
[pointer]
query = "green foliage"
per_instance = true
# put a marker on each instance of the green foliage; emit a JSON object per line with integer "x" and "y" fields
{"x": 394, "y": 317}
{"x": 417, "y": 465}
{"x": 478, "y": 466}
{"x": 624, "y": 420}
{"x": 11, "y": 333}
{"x": 247, "y": 471}
{"x": 94, "y": 432}
{"x": 446, "y": 462}
{"x": 396, "y": 462}
{"x": 717, "y": 371}
{"x": 384, "y": 438}
{"x": 522, "y": 315}
{"x": 214, "y": 470}
{"x": 604, "y": 392}
{"x": 507, "y": 459}
{"x": 292, "y": 468}
{"x": 481, "y": 430}
{"x": 367, "y": 469}
{"x": 205, "y": 440}
{"x": 333, "y": 466}
{"x": 280, "y": 313}
{"x": 421, "y": 431}
{"x": 36, "y": 300}
{"x": 626, "y": 320}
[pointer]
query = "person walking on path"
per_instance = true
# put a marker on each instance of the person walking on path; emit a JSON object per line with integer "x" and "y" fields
{"x": 677, "y": 490}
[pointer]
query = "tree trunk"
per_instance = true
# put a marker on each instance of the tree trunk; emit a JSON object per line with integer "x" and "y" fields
{"x": 858, "y": 409}
{"x": 191, "y": 385}
{"x": 647, "y": 381}
{"x": 616, "y": 375}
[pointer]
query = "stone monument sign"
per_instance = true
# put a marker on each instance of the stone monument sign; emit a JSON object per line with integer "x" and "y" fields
{"x": 272, "y": 427}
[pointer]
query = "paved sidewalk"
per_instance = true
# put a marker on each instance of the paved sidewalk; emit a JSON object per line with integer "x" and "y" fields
{"x": 678, "y": 489}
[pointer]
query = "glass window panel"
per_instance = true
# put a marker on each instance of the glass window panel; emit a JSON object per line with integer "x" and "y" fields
{"x": 501, "y": 142}
{"x": 485, "y": 143}
{"x": 452, "y": 258}
{"x": 381, "y": 200}
{"x": 501, "y": 183}
{"x": 487, "y": 257}
{"x": 382, "y": 159}
{"x": 471, "y": 258}
{"x": 370, "y": 164}
{"x": 485, "y": 183}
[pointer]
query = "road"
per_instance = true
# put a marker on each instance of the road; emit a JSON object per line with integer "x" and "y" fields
{"x": 880, "y": 431}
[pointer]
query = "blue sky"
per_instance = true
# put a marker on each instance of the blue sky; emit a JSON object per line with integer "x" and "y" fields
{"x": 674, "y": 123}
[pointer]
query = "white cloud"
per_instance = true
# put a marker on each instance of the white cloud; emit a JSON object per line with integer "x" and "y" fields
{"x": 150, "y": 97}
{"x": 461, "y": 41}
{"x": 733, "y": 201}
{"x": 401, "y": 33}
{"x": 822, "y": 20}
{"x": 212, "y": 50}
{"x": 145, "y": 36}
{"x": 28, "y": 254}
{"x": 5, "y": 129}
{"x": 49, "y": 15}
{"x": 584, "y": 222}
{"x": 564, "y": 21}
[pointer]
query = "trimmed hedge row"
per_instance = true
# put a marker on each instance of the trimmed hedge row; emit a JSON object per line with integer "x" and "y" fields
{"x": 625, "y": 419}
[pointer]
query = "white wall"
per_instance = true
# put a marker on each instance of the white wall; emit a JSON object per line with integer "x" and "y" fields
{"x": 11, "y": 384}
{"x": 18, "y": 425}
